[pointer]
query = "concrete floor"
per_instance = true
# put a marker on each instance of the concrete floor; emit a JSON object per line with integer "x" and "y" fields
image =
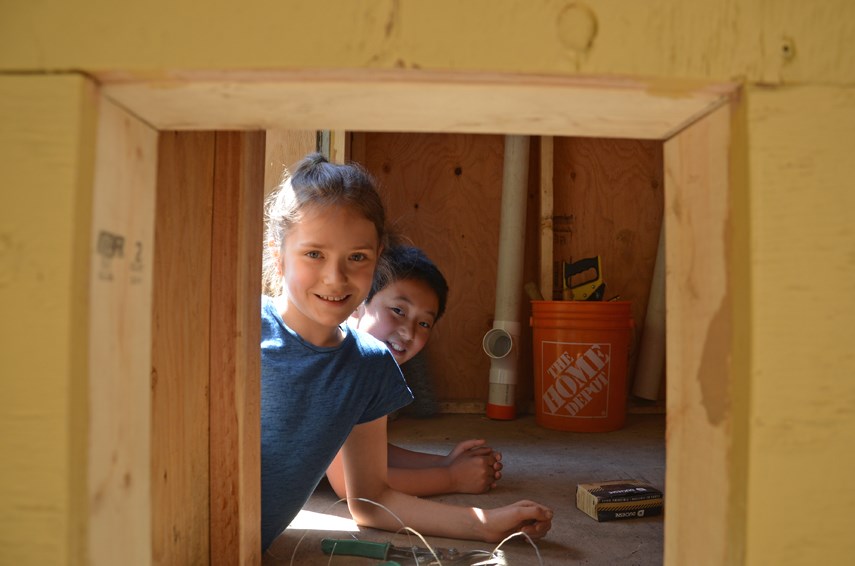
{"x": 540, "y": 464}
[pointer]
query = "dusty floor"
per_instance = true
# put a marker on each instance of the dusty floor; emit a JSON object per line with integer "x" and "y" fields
{"x": 540, "y": 464}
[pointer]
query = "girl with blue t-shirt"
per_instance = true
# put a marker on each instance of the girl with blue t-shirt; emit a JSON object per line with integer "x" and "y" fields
{"x": 326, "y": 386}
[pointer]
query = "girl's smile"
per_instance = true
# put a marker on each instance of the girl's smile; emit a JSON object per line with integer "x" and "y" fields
{"x": 327, "y": 263}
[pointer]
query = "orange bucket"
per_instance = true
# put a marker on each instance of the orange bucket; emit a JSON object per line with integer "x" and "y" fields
{"x": 581, "y": 350}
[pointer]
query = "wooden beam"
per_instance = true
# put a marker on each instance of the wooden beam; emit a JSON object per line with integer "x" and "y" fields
{"x": 235, "y": 357}
{"x": 119, "y": 481}
{"x": 417, "y": 101}
{"x": 338, "y": 146}
{"x": 356, "y": 149}
{"x": 702, "y": 468}
{"x": 546, "y": 235}
{"x": 180, "y": 360}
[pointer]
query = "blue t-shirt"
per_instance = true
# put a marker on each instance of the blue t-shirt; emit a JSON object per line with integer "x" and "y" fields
{"x": 311, "y": 397}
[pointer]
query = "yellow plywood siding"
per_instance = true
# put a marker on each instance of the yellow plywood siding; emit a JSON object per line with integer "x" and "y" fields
{"x": 46, "y": 160}
{"x": 802, "y": 388}
{"x": 762, "y": 40}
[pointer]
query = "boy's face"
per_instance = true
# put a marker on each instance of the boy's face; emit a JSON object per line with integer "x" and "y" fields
{"x": 401, "y": 315}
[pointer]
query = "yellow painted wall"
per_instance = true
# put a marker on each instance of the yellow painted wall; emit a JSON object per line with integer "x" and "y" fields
{"x": 796, "y": 58}
{"x": 716, "y": 39}
{"x": 803, "y": 380}
{"x": 46, "y": 160}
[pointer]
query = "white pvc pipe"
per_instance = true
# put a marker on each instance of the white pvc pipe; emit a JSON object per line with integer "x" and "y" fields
{"x": 502, "y": 342}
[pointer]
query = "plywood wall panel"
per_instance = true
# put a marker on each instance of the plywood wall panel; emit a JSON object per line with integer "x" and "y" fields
{"x": 608, "y": 201}
{"x": 443, "y": 191}
{"x": 180, "y": 349}
{"x": 531, "y": 273}
{"x": 547, "y": 238}
{"x": 283, "y": 149}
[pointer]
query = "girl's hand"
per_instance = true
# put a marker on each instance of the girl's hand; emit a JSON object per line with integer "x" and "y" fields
{"x": 531, "y": 518}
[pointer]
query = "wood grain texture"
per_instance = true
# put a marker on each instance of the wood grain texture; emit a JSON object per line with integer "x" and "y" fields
{"x": 180, "y": 361}
{"x": 802, "y": 360}
{"x": 284, "y": 148}
{"x": 48, "y": 142}
{"x": 701, "y": 470}
{"x": 670, "y": 38}
{"x": 339, "y": 140}
{"x": 417, "y": 101}
{"x": 119, "y": 483}
{"x": 608, "y": 202}
{"x": 355, "y": 149}
{"x": 443, "y": 192}
{"x": 547, "y": 260}
{"x": 235, "y": 444}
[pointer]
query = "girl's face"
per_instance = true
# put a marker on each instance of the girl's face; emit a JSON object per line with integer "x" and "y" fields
{"x": 327, "y": 263}
{"x": 402, "y": 315}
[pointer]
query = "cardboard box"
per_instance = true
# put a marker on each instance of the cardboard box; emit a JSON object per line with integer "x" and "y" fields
{"x": 619, "y": 499}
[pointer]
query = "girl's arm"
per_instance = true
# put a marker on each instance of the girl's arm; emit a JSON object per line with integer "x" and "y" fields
{"x": 364, "y": 458}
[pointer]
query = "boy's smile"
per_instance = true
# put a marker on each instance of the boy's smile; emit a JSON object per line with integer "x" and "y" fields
{"x": 327, "y": 263}
{"x": 401, "y": 315}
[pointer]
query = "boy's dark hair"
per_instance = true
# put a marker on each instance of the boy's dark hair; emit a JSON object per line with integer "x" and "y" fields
{"x": 398, "y": 262}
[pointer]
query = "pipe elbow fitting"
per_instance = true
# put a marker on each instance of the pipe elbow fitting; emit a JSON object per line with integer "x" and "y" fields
{"x": 500, "y": 345}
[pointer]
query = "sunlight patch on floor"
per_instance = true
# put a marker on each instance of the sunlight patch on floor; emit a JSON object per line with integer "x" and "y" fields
{"x": 312, "y": 521}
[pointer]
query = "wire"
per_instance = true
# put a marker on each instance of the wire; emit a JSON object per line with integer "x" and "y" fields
{"x": 517, "y": 534}
{"x": 403, "y": 528}
{"x": 409, "y": 530}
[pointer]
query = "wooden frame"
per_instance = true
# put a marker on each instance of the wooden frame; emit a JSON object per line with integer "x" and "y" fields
{"x": 693, "y": 118}
{"x": 702, "y": 452}
{"x": 120, "y": 322}
{"x": 181, "y": 358}
{"x": 416, "y": 101}
{"x": 235, "y": 412}
{"x": 546, "y": 208}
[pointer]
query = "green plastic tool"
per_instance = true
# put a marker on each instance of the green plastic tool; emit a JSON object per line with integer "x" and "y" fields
{"x": 364, "y": 548}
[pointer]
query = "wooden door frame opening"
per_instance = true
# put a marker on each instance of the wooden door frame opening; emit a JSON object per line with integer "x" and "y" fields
{"x": 705, "y": 261}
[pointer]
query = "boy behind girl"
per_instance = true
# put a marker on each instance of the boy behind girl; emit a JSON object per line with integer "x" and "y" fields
{"x": 407, "y": 298}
